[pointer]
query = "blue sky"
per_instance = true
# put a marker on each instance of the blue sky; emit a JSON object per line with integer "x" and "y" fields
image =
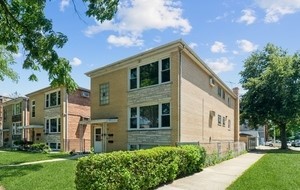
{"x": 222, "y": 32}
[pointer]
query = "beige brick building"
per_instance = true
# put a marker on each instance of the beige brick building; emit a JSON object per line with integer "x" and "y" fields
{"x": 163, "y": 96}
{"x": 55, "y": 116}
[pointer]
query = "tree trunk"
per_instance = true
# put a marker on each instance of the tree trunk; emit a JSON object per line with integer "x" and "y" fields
{"x": 283, "y": 136}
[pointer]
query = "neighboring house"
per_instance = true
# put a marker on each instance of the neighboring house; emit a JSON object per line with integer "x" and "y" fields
{"x": 2, "y": 115}
{"x": 55, "y": 117}
{"x": 252, "y": 137}
{"x": 15, "y": 115}
{"x": 163, "y": 96}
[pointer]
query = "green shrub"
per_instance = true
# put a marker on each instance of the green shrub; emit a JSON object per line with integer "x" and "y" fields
{"x": 142, "y": 169}
{"x": 40, "y": 147}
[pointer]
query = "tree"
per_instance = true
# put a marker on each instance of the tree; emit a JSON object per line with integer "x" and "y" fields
{"x": 271, "y": 78}
{"x": 24, "y": 25}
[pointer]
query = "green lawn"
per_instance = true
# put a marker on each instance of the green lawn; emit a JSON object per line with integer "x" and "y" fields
{"x": 53, "y": 175}
{"x": 276, "y": 170}
{"x": 17, "y": 157}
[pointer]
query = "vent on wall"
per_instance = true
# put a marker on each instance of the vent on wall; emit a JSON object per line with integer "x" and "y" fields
{"x": 211, "y": 81}
{"x": 85, "y": 94}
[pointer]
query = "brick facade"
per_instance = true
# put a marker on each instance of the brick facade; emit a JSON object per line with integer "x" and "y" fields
{"x": 195, "y": 103}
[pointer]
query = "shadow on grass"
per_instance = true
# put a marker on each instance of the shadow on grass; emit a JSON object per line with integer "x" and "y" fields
{"x": 276, "y": 151}
{"x": 14, "y": 172}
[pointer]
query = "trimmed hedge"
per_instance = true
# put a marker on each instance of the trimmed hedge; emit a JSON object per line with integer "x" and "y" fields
{"x": 142, "y": 169}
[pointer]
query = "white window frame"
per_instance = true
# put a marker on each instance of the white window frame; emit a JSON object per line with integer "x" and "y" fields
{"x": 57, "y": 145}
{"x": 159, "y": 73}
{"x": 58, "y": 125}
{"x": 140, "y": 146}
{"x": 17, "y": 108}
{"x": 219, "y": 118}
{"x": 48, "y": 99}
{"x": 15, "y": 129}
{"x": 159, "y": 117}
{"x": 104, "y": 100}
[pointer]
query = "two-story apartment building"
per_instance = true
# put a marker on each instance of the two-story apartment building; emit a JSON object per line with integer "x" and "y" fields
{"x": 164, "y": 96}
{"x": 55, "y": 116}
{"x": 2, "y": 100}
{"x": 15, "y": 115}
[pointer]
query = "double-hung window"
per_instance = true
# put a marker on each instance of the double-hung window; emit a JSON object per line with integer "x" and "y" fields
{"x": 16, "y": 128}
{"x": 150, "y": 74}
{"x": 52, "y": 99}
{"x": 151, "y": 116}
{"x": 53, "y": 125}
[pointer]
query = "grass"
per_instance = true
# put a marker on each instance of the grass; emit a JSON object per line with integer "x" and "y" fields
{"x": 53, "y": 175}
{"x": 17, "y": 157}
{"x": 278, "y": 169}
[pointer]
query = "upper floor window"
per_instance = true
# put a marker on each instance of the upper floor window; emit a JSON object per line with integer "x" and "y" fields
{"x": 219, "y": 91}
{"x": 219, "y": 120}
{"x": 150, "y": 74}
{"x": 165, "y": 70}
{"x": 4, "y": 115}
{"x": 33, "y": 108}
{"x": 152, "y": 116}
{"x": 52, "y": 99}
{"x": 17, "y": 108}
{"x": 104, "y": 94}
{"x": 53, "y": 125}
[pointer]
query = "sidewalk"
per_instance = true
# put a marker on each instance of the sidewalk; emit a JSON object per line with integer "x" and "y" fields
{"x": 217, "y": 177}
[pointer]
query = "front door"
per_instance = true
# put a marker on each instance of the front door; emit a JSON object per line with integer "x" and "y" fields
{"x": 98, "y": 143}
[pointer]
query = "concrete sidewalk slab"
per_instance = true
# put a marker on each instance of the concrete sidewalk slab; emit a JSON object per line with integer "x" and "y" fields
{"x": 216, "y": 177}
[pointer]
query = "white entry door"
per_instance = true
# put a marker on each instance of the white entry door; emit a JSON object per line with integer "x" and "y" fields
{"x": 98, "y": 141}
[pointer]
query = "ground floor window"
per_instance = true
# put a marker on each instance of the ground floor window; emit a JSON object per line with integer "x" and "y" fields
{"x": 54, "y": 145}
{"x": 150, "y": 116}
{"x": 141, "y": 146}
{"x": 16, "y": 128}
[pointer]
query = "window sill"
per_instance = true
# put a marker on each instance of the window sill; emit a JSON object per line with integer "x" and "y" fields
{"x": 50, "y": 107}
{"x": 151, "y": 86}
{"x": 150, "y": 129}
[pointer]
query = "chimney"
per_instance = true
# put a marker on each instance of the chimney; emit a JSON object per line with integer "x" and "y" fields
{"x": 236, "y": 91}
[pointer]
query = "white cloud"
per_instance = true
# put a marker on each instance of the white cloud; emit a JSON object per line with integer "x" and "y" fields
{"x": 235, "y": 52}
{"x": 193, "y": 45}
{"x": 246, "y": 45}
{"x": 275, "y": 9}
{"x": 248, "y": 17}
{"x": 137, "y": 16}
{"x": 126, "y": 41}
{"x": 218, "y": 47}
{"x": 64, "y": 4}
{"x": 75, "y": 62}
{"x": 220, "y": 65}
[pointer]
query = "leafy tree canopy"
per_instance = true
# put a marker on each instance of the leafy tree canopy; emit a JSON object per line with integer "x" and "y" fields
{"x": 24, "y": 26}
{"x": 272, "y": 80}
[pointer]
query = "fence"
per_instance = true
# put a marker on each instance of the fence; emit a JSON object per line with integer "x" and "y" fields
{"x": 222, "y": 148}
{"x": 78, "y": 145}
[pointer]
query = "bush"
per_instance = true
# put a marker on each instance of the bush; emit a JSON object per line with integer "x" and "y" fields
{"x": 142, "y": 169}
{"x": 40, "y": 147}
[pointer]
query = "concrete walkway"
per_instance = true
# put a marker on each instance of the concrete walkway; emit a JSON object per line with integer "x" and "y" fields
{"x": 217, "y": 177}
{"x": 44, "y": 161}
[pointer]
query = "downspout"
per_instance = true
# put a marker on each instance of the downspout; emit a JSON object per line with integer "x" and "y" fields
{"x": 179, "y": 92}
{"x": 66, "y": 114}
{"x": 25, "y": 117}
